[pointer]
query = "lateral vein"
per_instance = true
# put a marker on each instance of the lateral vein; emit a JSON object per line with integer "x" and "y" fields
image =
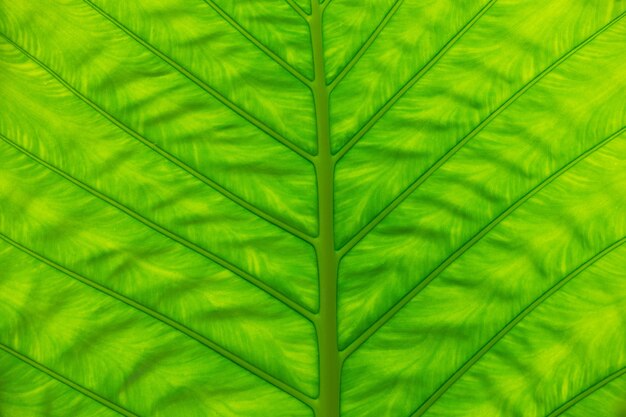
{"x": 477, "y": 129}
{"x": 587, "y": 392}
{"x": 167, "y": 233}
{"x": 194, "y": 79}
{"x": 355, "y": 59}
{"x": 165, "y": 154}
{"x": 505, "y": 330}
{"x": 73, "y": 385}
{"x": 298, "y": 10}
{"x": 253, "y": 369}
{"x": 266, "y": 50}
{"x": 355, "y": 344}
{"x": 325, "y": 4}
{"x": 406, "y": 87}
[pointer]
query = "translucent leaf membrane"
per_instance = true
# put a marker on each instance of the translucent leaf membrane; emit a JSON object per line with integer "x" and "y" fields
{"x": 26, "y": 390}
{"x": 548, "y": 349}
{"x": 415, "y": 33}
{"x": 606, "y": 397}
{"x": 447, "y": 322}
{"x": 100, "y": 154}
{"x": 501, "y": 53}
{"x": 277, "y": 25}
{"x": 107, "y": 246}
{"x": 561, "y": 115}
{"x": 316, "y": 208}
{"x": 347, "y": 27}
{"x": 110, "y": 348}
{"x": 494, "y": 267}
{"x": 305, "y": 5}
{"x": 199, "y": 121}
{"x": 232, "y": 65}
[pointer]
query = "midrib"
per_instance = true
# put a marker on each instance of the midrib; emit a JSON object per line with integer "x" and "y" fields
{"x": 327, "y": 404}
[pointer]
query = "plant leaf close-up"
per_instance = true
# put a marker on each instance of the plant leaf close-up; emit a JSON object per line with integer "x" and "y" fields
{"x": 294, "y": 208}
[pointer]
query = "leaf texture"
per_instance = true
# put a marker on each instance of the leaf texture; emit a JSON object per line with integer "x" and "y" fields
{"x": 289, "y": 208}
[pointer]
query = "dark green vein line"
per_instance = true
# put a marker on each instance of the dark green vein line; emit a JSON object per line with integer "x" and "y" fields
{"x": 191, "y": 77}
{"x": 324, "y": 4}
{"x": 267, "y": 51}
{"x": 169, "y": 322}
{"x": 167, "y": 233}
{"x": 587, "y": 392}
{"x": 406, "y": 87}
{"x": 505, "y": 330}
{"x": 76, "y": 387}
{"x": 354, "y": 345}
{"x": 298, "y": 9}
{"x": 450, "y": 153}
{"x": 165, "y": 154}
{"x": 353, "y": 61}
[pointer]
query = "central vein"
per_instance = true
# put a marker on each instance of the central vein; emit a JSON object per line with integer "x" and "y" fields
{"x": 326, "y": 323}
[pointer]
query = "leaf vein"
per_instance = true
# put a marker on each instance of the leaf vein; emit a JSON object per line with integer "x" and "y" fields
{"x": 253, "y": 369}
{"x": 406, "y": 87}
{"x": 298, "y": 10}
{"x": 451, "y": 152}
{"x": 325, "y": 4}
{"x": 165, "y": 154}
{"x": 76, "y": 387}
{"x": 266, "y": 50}
{"x": 354, "y": 345}
{"x": 505, "y": 330}
{"x": 354, "y": 60}
{"x": 279, "y": 296}
{"x": 213, "y": 92}
{"x": 587, "y": 392}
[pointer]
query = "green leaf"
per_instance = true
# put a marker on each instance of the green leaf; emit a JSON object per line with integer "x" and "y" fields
{"x": 288, "y": 208}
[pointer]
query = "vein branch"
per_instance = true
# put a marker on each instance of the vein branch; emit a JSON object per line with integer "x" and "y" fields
{"x": 353, "y": 61}
{"x": 409, "y": 84}
{"x": 506, "y": 329}
{"x": 194, "y": 79}
{"x": 354, "y": 345}
{"x": 165, "y": 154}
{"x": 441, "y": 161}
{"x": 267, "y": 51}
{"x": 587, "y": 392}
{"x": 167, "y": 233}
{"x": 296, "y": 7}
{"x": 73, "y": 385}
{"x": 169, "y": 322}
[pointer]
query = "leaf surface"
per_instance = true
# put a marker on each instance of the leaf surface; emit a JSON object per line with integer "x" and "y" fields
{"x": 283, "y": 208}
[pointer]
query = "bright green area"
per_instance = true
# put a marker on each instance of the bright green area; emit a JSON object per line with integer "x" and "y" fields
{"x": 279, "y": 208}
